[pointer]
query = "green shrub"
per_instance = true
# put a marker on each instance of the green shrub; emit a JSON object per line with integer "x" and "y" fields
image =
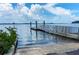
{"x": 7, "y": 39}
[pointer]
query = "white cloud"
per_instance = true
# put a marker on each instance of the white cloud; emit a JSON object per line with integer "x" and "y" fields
{"x": 49, "y": 5}
{"x": 8, "y": 14}
{"x": 62, "y": 13}
{"x": 22, "y": 12}
{"x": 57, "y": 10}
{"x": 32, "y": 11}
{"x": 34, "y": 8}
{"x": 6, "y": 9}
{"x": 6, "y": 6}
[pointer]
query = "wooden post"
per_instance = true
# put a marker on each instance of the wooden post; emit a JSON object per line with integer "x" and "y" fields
{"x": 15, "y": 48}
{"x": 30, "y": 27}
{"x": 62, "y": 29}
{"x": 78, "y": 32}
{"x": 16, "y": 43}
{"x": 56, "y": 29}
{"x": 36, "y": 32}
{"x": 53, "y": 29}
{"x": 30, "y": 31}
{"x": 44, "y": 29}
{"x": 68, "y": 29}
{"x": 44, "y": 25}
{"x": 65, "y": 30}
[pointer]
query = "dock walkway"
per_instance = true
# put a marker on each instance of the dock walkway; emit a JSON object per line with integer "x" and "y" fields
{"x": 66, "y": 35}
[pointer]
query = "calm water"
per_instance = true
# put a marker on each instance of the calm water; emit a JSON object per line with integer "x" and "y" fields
{"x": 25, "y": 37}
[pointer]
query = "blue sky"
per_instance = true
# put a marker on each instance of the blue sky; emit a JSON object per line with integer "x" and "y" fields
{"x": 71, "y": 6}
{"x": 54, "y": 12}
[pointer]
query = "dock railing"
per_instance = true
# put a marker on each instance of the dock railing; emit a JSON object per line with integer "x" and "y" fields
{"x": 62, "y": 30}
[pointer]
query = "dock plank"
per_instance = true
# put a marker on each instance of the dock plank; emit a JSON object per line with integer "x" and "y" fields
{"x": 67, "y": 35}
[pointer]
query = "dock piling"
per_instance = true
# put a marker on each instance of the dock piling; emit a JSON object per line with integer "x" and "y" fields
{"x": 36, "y": 31}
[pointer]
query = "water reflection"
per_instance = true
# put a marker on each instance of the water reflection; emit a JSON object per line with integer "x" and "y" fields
{"x": 28, "y": 37}
{"x": 48, "y": 39}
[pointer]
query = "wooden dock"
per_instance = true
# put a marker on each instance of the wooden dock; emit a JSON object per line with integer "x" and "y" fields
{"x": 67, "y": 35}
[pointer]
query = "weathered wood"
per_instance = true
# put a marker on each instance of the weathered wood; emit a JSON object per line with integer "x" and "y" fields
{"x": 44, "y": 29}
{"x": 15, "y": 48}
{"x": 67, "y": 35}
{"x": 36, "y": 32}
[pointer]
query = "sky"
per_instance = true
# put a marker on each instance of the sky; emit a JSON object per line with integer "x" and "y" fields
{"x": 49, "y": 12}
